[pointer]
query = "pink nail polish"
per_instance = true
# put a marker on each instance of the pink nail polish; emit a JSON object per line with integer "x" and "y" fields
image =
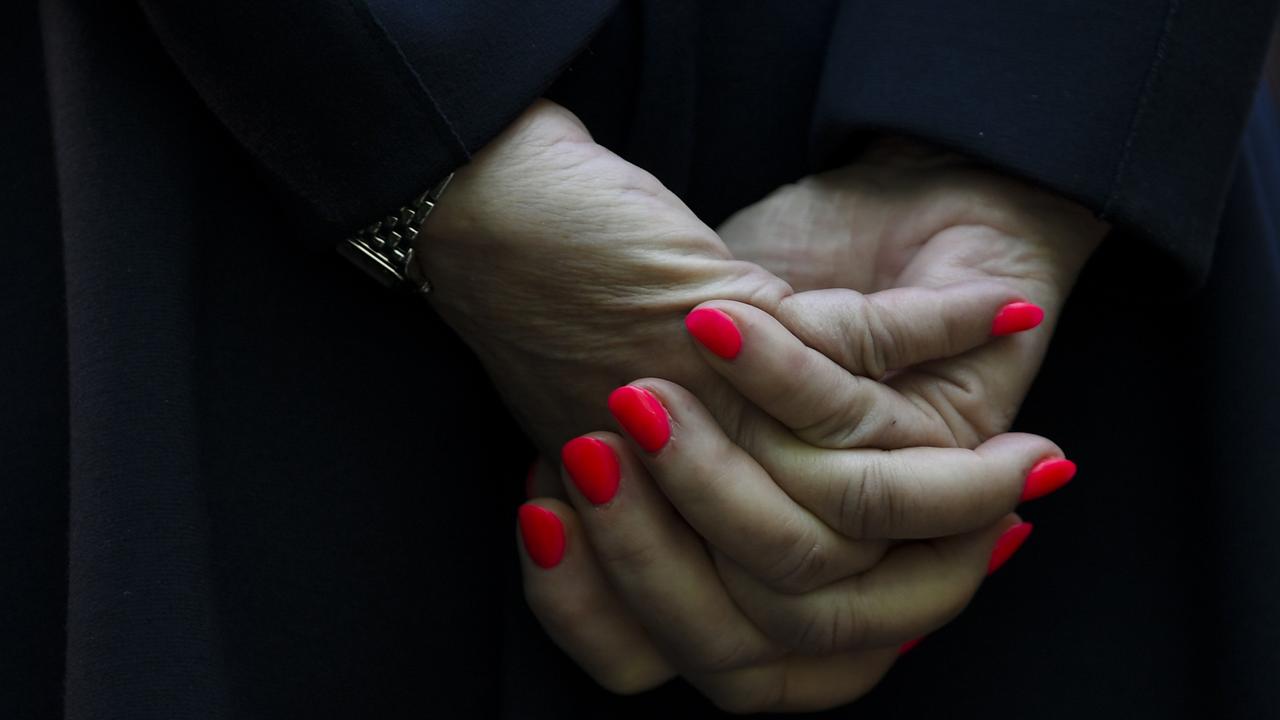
{"x": 1007, "y": 545}
{"x": 909, "y": 645}
{"x": 543, "y": 535}
{"x": 716, "y": 331}
{"x": 1016, "y": 317}
{"x": 1047, "y": 476}
{"x": 592, "y": 467}
{"x": 642, "y": 416}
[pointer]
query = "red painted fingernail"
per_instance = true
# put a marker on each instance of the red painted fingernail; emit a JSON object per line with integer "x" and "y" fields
{"x": 531, "y": 480}
{"x": 543, "y": 535}
{"x": 716, "y": 331}
{"x": 1007, "y": 545}
{"x": 642, "y": 416}
{"x": 593, "y": 468}
{"x": 1047, "y": 476}
{"x": 1016, "y": 317}
{"x": 909, "y": 645}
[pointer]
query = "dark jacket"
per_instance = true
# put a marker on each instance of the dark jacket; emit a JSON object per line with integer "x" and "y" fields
{"x": 240, "y": 481}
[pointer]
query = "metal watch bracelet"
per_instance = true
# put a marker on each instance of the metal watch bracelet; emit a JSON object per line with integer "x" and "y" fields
{"x": 384, "y": 249}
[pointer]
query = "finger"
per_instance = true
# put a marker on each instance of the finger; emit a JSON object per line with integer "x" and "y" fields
{"x": 873, "y": 334}
{"x": 659, "y": 567}
{"x": 817, "y": 683}
{"x": 602, "y": 483}
{"x": 976, "y": 394}
{"x": 917, "y": 588}
{"x": 728, "y": 499}
{"x": 798, "y": 683}
{"x": 943, "y": 334}
{"x": 576, "y": 606}
{"x": 764, "y": 517}
{"x": 919, "y": 492}
{"x": 820, "y": 401}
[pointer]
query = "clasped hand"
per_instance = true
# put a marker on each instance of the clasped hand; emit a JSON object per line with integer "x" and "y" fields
{"x": 813, "y": 466}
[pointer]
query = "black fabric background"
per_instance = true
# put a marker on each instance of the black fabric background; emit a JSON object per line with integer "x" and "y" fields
{"x": 216, "y": 503}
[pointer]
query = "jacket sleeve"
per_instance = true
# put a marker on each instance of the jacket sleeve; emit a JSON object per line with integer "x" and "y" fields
{"x": 1133, "y": 108}
{"x": 323, "y": 94}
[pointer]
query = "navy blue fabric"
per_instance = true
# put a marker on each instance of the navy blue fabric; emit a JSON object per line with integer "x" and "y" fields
{"x": 320, "y": 93}
{"x": 1092, "y": 99}
{"x": 209, "y": 510}
{"x": 1245, "y": 394}
{"x": 33, "y": 373}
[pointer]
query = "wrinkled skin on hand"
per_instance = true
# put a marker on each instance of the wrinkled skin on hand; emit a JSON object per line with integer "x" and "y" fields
{"x": 569, "y": 271}
{"x": 906, "y": 215}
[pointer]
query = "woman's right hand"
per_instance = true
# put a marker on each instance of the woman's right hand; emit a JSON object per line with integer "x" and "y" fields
{"x": 681, "y": 553}
{"x": 688, "y": 559}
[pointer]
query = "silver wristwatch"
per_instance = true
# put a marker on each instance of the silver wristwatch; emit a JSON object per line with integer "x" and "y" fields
{"x": 384, "y": 250}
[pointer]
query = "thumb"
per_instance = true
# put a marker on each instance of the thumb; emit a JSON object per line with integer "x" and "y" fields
{"x": 871, "y": 335}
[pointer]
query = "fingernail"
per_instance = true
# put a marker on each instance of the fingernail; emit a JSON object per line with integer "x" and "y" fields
{"x": 909, "y": 645}
{"x": 1007, "y": 545}
{"x": 530, "y": 480}
{"x": 543, "y": 535}
{"x": 642, "y": 416}
{"x": 593, "y": 468}
{"x": 716, "y": 331}
{"x": 1047, "y": 476}
{"x": 1016, "y": 317}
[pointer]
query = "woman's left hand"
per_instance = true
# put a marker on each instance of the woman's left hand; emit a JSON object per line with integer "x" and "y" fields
{"x": 908, "y": 227}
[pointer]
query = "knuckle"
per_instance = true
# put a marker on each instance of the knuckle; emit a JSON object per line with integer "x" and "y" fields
{"x": 722, "y": 651}
{"x": 810, "y": 633}
{"x": 867, "y": 502}
{"x": 879, "y": 344}
{"x": 852, "y": 627}
{"x": 767, "y": 291}
{"x": 734, "y": 416}
{"x": 850, "y": 515}
{"x": 846, "y": 421}
{"x": 955, "y": 331}
{"x": 801, "y": 567}
{"x": 834, "y": 627}
{"x": 962, "y": 400}
{"x": 998, "y": 420}
{"x": 754, "y": 433}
